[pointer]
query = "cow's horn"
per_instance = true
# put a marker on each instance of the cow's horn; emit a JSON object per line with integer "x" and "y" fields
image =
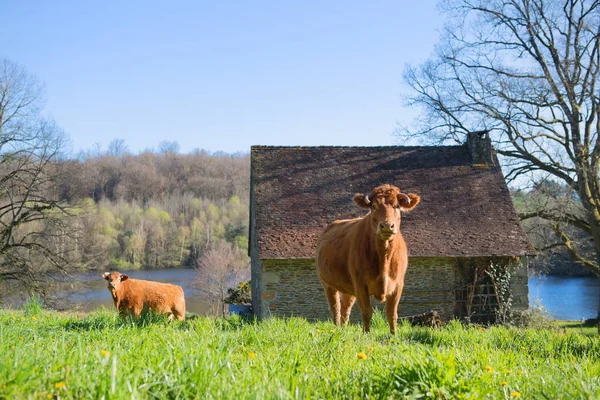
{"x": 367, "y": 199}
{"x": 405, "y": 197}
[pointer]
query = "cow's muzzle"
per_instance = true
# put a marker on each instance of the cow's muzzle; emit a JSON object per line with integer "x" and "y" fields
{"x": 386, "y": 231}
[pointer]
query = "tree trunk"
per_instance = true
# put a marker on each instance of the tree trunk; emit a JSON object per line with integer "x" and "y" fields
{"x": 598, "y": 318}
{"x": 223, "y": 304}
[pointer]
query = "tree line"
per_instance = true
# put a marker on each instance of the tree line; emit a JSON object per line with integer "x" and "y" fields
{"x": 154, "y": 209}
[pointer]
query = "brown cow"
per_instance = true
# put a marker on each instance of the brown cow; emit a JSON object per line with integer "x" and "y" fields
{"x": 363, "y": 257}
{"x": 134, "y": 295}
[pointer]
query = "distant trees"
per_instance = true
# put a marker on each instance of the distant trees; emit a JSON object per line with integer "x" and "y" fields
{"x": 155, "y": 175}
{"x": 36, "y": 226}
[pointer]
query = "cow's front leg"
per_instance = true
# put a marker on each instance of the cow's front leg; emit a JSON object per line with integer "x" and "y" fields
{"x": 347, "y": 303}
{"x": 391, "y": 308}
{"x": 364, "y": 302}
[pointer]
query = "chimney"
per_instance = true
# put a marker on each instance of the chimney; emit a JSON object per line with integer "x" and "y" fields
{"x": 479, "y": 145}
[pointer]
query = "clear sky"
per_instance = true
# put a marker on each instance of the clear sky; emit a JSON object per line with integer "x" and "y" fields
{"x": 222, "y": 75}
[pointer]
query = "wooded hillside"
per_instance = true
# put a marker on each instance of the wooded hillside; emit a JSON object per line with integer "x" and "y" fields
{"x": 154, "y": 209}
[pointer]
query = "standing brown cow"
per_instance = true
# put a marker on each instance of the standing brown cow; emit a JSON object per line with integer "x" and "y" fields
{"x": 135, "y": 295}
{"x": 363, "y": 257}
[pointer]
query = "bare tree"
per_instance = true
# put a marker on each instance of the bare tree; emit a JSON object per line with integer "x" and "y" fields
{"x": 222, "y": 266}
{"x": 527, "y": 72}
{"x": 34, "y": 224}
{"x": 118, "y": 148}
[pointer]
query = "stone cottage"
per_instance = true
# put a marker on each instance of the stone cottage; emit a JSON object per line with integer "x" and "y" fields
{"x": 465, "y": 223}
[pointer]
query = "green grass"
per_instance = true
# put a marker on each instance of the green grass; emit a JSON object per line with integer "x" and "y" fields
{"x": 45, "y": 354}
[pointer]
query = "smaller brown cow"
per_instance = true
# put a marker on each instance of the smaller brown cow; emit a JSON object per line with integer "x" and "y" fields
{"x": 134, "y": 295}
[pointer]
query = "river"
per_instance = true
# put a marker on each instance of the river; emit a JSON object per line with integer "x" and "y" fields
{"x": 571, "y": 298}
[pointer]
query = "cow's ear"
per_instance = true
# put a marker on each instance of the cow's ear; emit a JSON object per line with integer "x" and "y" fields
{"x": 124, "y": 277}
{"x": 409, "y": 201}
{"x": 106, "y": 275}
{"x": 362, "y": 200}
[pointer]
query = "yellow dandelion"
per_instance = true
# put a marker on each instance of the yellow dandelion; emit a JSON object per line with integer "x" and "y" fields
{"x": 371, "y": 348}
{"x": 362, "y": 356}
{"x": 49, "y": 395}
{"x": 523, "y": 348}
{"x": 489, "y": 369}
{"x": 331, "y": 331}
{"x": 252, "y": 355}
{"x": 33, "y": 317}
{"x": 508, "y": 371}
{"x": 105, "y": 353}
{"x": 515, "y": 394}
{"x": 503, "y": 383}
{"x": 59, "y": 385}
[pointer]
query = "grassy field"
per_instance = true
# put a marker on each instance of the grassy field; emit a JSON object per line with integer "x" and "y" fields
{"x": 48, "y": 355}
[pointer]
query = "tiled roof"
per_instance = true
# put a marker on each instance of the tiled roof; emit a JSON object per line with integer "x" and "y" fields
{"x": 465, "y": 209}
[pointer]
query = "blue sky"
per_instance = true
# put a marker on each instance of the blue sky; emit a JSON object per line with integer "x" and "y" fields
{"x": 222, "y": 75}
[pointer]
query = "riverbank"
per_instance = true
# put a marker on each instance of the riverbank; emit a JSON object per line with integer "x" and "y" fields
{"x": 95, "y": 355}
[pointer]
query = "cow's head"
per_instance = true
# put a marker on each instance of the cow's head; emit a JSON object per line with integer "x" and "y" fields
{"x": 386, "y": 203}
{"x": 114, "y": 279}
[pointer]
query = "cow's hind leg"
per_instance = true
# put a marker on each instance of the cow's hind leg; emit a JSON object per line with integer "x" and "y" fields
{"x": 347, "y": 303}
{"x": 333, "y": 297}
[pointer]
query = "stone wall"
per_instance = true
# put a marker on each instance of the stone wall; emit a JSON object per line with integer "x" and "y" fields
{"x": 292, "y": 288}
{"x": 519, "y": 287}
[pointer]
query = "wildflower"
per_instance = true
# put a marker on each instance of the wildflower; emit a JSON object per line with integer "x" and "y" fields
{"x": 332, "y": 331}
{"x": 252, "y": 355}
{"x": 503, "y": 383}
{"x": 362, "y": 356}
{"x": 489, "y": 369}
{"x": 508, "y": 371}
{"x": 33, "y": 317}
{"x": 49, "y": 395}
{"x": 105, "y": 353}
{"x": 515, "y": 394}
{"x": 59, "y": 385}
